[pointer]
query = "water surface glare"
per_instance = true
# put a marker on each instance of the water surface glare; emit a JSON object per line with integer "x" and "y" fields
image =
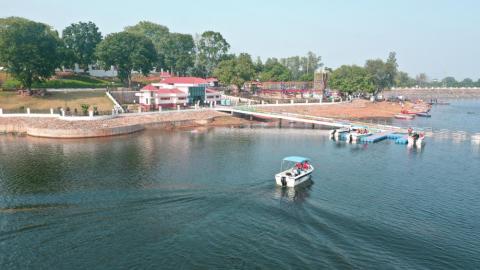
{"x": 207, "y": 199}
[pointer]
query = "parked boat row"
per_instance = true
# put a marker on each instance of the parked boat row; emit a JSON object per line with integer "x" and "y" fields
{"x": 358, "y": 134}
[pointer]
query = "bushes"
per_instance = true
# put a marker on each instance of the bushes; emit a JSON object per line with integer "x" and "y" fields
{"x": 74, "y": 81}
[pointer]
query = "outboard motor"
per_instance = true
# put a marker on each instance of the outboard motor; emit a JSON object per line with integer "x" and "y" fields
{"x": 332, "y": 133}
{"x": 284, "y": 181}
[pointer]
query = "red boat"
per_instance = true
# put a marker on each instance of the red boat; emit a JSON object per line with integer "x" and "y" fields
{"x": 408, "y": 112}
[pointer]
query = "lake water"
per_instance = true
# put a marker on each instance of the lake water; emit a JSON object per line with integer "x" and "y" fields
{"x": 207, "y": 199}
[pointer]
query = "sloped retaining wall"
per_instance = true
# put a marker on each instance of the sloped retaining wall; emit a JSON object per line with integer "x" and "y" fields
{"x": 21, "y": 127}
{"x": 83, "y": 133}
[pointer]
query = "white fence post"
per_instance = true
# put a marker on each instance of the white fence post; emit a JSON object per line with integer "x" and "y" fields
{"x": 51, "y": 110}
{"x": 140, "y": 109}
{"x": 178, "y": 107}
{"x": 276, "y": 102}
{"x": 63, "y": 112}
{"x": 1, "y": 111}
{"x": 159, "y": 108}
{"x": 28, "y": 110}
{"x": 90, "y": 113}
{"x": 291, "y": 101}
{"x": 306, "y": 101}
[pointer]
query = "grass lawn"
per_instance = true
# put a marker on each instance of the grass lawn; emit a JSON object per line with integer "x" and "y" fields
{"x": 12, "y": 102}
{"x": 71, "y": 81}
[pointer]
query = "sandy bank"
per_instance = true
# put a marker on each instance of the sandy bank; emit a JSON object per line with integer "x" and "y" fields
{"x": 358, "y": 109}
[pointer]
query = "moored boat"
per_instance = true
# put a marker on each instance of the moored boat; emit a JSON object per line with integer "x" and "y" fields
{"x": 294, "y": 171}
{"x": 335, "y": 133}
{"x": 423, "y": 114}
{"x": 405, "y": 116}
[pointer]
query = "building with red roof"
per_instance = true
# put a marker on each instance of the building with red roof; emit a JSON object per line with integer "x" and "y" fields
{"x": 152, "y": 97}
{"x": 173, "y": 91}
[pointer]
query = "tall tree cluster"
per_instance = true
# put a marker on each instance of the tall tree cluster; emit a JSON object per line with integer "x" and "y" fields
{"x": 376, "y": 76}
{"x": 30, "y": 50}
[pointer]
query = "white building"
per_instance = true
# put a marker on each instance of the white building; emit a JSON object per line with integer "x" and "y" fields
{"x": 152, "y": 97}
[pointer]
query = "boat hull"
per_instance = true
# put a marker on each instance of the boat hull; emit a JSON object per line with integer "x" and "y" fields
{"x": 405, "y": 116}
{"x": 291, "y": 181}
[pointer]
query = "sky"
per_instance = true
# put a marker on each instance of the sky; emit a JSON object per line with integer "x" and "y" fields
{"x": 438, "y": 37}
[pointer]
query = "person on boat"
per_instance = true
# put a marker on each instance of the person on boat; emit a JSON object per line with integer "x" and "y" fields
{"x": 306, "y": 166}
{"x": 410, "y": 130}
{"x": 299, "y": 167}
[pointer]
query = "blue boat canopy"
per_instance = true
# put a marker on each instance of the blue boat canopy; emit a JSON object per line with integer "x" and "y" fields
{"x": 296, "y": 159}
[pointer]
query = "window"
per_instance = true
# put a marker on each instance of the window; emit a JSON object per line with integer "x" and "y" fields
{"x": 165, "y": 98}
{"x": 182, "y": 98}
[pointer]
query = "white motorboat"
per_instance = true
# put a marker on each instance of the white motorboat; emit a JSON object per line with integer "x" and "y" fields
{"x": 335, "y": 133}
{"x": 294, "y": 171}
{"x": 416, "y": 140}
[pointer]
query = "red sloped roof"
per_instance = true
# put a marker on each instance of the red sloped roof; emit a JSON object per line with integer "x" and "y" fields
{"x": 212, "y": 79}
{"x": 149, "y": 88}
{"x": 163, "y": 90}
{"x": 184, "y": 80}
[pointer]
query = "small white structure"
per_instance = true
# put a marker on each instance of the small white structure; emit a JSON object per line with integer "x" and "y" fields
{"x": 212, "y": 96}
{"x": 94, "y": 71}
{"x": 152, "y": 98}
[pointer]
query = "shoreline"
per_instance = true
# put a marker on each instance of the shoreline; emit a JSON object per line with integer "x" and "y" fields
{"x": 62, "y": 129}
{"x": 127, "y": 124}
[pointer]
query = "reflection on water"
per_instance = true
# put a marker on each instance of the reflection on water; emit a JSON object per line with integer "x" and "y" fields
{"x": 297, "y": 194}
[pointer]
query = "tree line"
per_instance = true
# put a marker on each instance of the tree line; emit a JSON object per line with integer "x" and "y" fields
{"x": 31, "y": 51}
{"x": 377, "y": 75}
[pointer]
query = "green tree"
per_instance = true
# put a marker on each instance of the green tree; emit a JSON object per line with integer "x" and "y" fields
{"x": 302, "y": 68}
{"x": 467, "y": 82}
{"x": 82, "y": 38}
{"x": 450, "y": 82}
{"x": 211, "y": 49}
{"x": 258, "y": 65}
{"x": 29, "y": 50}
{"x": 421, "y": 79}
{"x": 274, "y": 71}
{"x": 127, "y": 52}
{"x": 158, "y": 34}
{"x": 350, "y": 79}
{"x": 382, "y": 73}
{"x": 178, "y": 52}
{"x": 236, "y": 71}
{"x": 403, "y": 80}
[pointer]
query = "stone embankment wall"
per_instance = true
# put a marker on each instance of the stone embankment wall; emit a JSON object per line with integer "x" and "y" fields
{"x": 123, "y": 124}
{"x": 434, "y": 93}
